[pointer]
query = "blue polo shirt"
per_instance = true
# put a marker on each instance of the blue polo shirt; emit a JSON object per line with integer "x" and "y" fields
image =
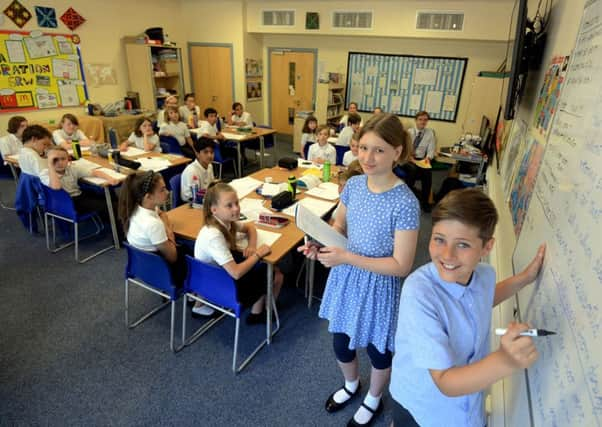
{"x": 441, "y": 325}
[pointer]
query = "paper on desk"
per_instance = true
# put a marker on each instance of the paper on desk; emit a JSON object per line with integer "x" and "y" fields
{"x": 112, "y": 173}
{"x": 251, "y": 208}
{"x": 86, "y": 165}
{"x": 263, "y": 238}
{"x": 155, "y": 164}
{"x": 326, "y": 190}
{"x": 133, "y": 151}
{"x": 317, "y": 229}
{"x": 306, "y": 164}
{"x": 270, "y": 190}
{"x": 316, "y": 206}
{"x": 244, "y": 186}
{"x": 233, "y": 136}
{"x": 96, "y": 180}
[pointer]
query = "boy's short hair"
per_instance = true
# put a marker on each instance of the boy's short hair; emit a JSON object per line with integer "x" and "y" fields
{"x": 208, "y": 111}
{"x": 236, "y": 104}
{"x": 354, "y": 119}
{"x": 188, "y": 95}
{"x": 202, "y": 143}
{"x": 37, "y": 132}
{"x": 422, "y": 113}
{"x": 14, "y": 123}
{"x": 471, "y": 207}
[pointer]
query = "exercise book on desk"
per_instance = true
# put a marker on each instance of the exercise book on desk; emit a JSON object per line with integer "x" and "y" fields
{"x": 244, "y": 186}
{"x": 112, "y": 173}
{"x": 233, "y": 136}
{"x": 317, "y": 229}
{"x": 156, "y": 164}
{"x": 263, "y": 238}
{"x": 133, "y": 151}
{"x": 86, "y": 164}
{"x": 251, "y": 208}
{"x": 326, "y": 190}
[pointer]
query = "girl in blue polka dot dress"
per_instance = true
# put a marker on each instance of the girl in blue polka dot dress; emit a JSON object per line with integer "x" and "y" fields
{"x": 379, "y": 214}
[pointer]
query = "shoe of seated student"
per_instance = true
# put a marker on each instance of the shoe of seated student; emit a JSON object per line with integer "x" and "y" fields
{"x": 374, "y": 412}
{"x": 202, "y": 311}
{"x": 256, "y": 318}
{"x": 334, "y": 406}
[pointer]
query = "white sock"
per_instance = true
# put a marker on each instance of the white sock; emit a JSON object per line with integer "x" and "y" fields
{"x": 341, "y": 396}
{"x": 362, "y": 415}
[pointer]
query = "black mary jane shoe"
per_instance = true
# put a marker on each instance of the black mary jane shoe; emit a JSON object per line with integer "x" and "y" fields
{"x": 333, "y": 406}
{"x": 374, "y": 412}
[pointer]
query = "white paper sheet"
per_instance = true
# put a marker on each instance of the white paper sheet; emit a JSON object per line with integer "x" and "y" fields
{"x": 133, "y": 151}
{"x": 306, "y": 164}
{"x": 270, "y": 190}
{"x": 112, "y": 173}
{"x": 415, "y": 102}
{"x": 233, "y": 136}
{"x": 251, "y": 208}
{"x": 433, "y": 101}
{"x": 95, "y": 180}
{"x": 263, "y": 238}
{"x": 395, "y": 103}
{"x": 425, "y": 76}
{"x": 155, "y": 164}
{"x": 326, "y": 190}
{"x": 16, "y": 53}
{"x": 316, "y": 206}
{"x": 85, "y": 164}
{"x": 449, "y": 103}
{"x": 317, "y": 229}
{"x": 69, "y": 96}
{"x": 244, "y": 186}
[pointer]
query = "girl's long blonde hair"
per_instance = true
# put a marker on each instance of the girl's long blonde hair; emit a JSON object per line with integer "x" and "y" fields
{"x": 212, "y": 199}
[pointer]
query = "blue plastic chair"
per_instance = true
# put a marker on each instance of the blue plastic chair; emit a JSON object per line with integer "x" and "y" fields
{"x": 175, "y": 182}
{"x": 213, "y": 286}
{"x": 29, "y": 200}
{"x": 150, "y": 271}
{"x": 171, "y": 143}
{"x": 219, "y": 160}
{"x": 397, "y": 170}
{"x": 306, "y": 149}
{"x": 341, "y": 150}
{"x": 58, "y": 204}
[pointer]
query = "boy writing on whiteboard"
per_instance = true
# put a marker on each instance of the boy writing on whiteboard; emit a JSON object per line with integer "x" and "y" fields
{"x": 424, "y": 143}
{"x": 442, "y": 362}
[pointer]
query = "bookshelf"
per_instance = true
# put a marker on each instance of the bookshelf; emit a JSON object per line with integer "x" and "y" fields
{"x": 330, "y": 101}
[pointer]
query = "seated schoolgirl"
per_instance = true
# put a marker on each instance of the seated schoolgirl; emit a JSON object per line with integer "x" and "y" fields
{"x": 143, "y": 137}
{"x": 354, "y": 146}
{"x": 13, "y": 142}
{"x": 69, "y": 132}
{"x": 178, "y": 129}
{"x": 146, "y": 226}
{"x": 322, "y": 151}
{"x": 309, "y": 133}
{"x": 216, "y": 244}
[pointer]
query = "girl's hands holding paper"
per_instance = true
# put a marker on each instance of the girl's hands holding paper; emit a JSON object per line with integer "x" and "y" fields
{"x": 310, "y": 249}
{"x": 331, "y": 256}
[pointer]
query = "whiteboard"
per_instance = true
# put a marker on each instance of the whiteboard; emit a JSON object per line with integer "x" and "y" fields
{"x": 565, "y": 384}
{"x": 406, "y": 84}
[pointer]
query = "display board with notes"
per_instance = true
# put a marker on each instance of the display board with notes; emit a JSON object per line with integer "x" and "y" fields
{"x": 40, "y": 71}
{"x": 565, "y": 384}
{"x": 406, "y": 84}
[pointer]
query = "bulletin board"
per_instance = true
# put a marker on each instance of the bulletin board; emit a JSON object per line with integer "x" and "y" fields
{"x": 40, "y": 71}
{"x": 405, "y": 84}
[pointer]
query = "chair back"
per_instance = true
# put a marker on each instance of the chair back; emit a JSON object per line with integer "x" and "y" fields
{"x": 399, "y": 172}
{"x": 213, "y": 283}
{"x": 217, "y": 154}
{"x": 172, "y": 142}
{"x": 28, "y": 197}
{"x": 341, "y": 150}
{"x": 306, "y": 149}
{"x": 113, "y": 138}
{"x": 149, "y": 267}
{"x": 59, "y": 202}
{"x": 175, "y": 182}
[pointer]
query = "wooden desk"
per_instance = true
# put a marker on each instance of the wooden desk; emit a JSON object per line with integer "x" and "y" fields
{"x": 256, "y": 133}
{"x": 187, "y": 222}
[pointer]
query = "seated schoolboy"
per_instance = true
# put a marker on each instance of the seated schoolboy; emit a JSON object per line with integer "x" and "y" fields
{"x": 208, "y": 128}
{"x": 217, "y": 244}
{"x": 36, "y": 140}
{"x": 201, "y": 168}
{"x": 240, "y": 117}
{"x": 443, "y": 361}
{"x": 147, "y": 227}
{"x": 69, "y": 132}
{"x": 322, "y": 151}
{"x": 353, "y": 125}
{"x": 13, "y": 142}
{"x": 352, "y": 110}
{"x": 354, "y": 146}
{"x": 62, "y": 173}
{"x": 190, "y": 112}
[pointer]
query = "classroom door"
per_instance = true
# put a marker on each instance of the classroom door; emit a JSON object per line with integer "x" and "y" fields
{"x": 292, "y": 79}
{"x": 211, "y": 75}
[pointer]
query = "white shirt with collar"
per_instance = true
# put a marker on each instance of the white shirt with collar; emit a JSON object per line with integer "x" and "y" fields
{"x": 9, "y": 145}
{"x": 348, "y": 157}
{"x": 138, "y": 141}
{"x": 69, "y": 180}
{"x": 211, "y": 246}
{"x": 345, "y": 136}
{"x": 327, "y": 152}
{"x": 427, "y": 145}
{"x": 185, "y": 113}
{"x": 30, "y": 162}
{"x": 178, "y": 130}
{"x": 207, "y": 128}
{"x": 146, "y": 230}
{"x": 59, "y": 136}
{"x": 205, "y": 177}
{"x": 246, "y": 117}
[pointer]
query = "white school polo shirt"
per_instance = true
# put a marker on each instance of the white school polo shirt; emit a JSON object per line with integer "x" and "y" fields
{"x": 146, "y": 230}
{"x": 138, "y": 141}
{"x": 246, "y": 117}
{"x": 59, "y": 136}
{"x": 327, "y": 152}
{"x": 73, "y": 173}
{"x": 31, "y": 162}
{"x": 10, "y": 145}
{"x": 205, "y": 177}
{"x": 177, "y": 130}
{"x": 211, "y": 246}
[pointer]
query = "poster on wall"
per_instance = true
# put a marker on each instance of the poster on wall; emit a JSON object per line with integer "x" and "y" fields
{"x": 254, "y": 91}
{"x": 547, "y": 99}
{"x": 39, "y": 71}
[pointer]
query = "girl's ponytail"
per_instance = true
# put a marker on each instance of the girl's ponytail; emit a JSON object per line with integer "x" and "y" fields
{"x": 211, "y": 199}
{"x": 134, "y": 188}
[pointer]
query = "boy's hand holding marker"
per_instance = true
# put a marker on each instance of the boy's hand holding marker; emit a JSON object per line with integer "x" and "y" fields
{"x": 517, "y": 351}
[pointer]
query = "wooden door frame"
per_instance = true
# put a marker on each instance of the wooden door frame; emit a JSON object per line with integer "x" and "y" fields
{"x": 201, "y": 44}
{"x": 290, "y": 49}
